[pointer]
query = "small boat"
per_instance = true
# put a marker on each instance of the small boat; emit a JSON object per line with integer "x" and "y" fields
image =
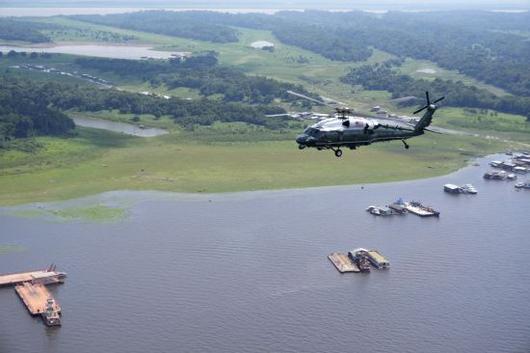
{"x": 511, "y": 176}
{"x": 469, "y": 189}
{"x": 420, "y": 210}
{"x": 494, "y": 175}
{"x": 523, "y": 185}
{"x": 379, "y": 211}
{"x": 452, "y": 189}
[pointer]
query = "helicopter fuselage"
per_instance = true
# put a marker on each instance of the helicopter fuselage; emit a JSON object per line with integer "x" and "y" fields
{"x": 352, "y": 132}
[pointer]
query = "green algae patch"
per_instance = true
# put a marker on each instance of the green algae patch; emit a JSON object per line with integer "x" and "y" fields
{"x": 7, "y": 249}
{"x": 95, "y": 213}
{"x": 98, "y": 213}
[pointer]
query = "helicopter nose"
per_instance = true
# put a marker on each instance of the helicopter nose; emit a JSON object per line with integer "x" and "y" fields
{"x": 301, "y": 139}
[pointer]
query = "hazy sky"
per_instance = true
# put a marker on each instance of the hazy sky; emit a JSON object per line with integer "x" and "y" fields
{"x": 322, "y": 4}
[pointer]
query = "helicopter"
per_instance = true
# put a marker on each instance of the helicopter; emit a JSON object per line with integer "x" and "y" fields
{"x": 347, "y": 130}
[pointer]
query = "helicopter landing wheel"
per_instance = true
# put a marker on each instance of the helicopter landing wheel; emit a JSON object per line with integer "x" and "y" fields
{"x": 405, "y": 144}
{"x": 338, "y": 153}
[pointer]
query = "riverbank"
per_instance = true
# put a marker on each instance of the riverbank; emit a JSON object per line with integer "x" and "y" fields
{"x": 97, "y": 161}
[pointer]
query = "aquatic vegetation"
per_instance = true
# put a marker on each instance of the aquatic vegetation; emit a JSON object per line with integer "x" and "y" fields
{"x": 10, "y": 248}
{"x": 93, "y": 213}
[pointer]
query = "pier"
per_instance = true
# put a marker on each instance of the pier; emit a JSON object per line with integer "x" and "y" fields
{"x": 31, "y": 288}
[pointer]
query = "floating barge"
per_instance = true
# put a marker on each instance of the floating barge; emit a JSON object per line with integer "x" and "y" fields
{"x": 419, "y": 210}
{"x": 358, "y": 260}
{"x": 343, "y": 263}
{"x": 464, "y": 189}
{"x": 378, "y": 260}
{"x": 31, "y": 288}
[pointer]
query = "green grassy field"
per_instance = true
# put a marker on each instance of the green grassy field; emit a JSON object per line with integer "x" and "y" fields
{"x": 417, "y": 68}
{"x": 236, "y": 157}
{"x": 98, "y": 161}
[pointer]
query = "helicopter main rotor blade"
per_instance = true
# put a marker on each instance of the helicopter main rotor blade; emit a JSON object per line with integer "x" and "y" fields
{"x": 277, "y": 115}
{"x": 436, "y": 132}
{"x": 427, "y": 96}
{"x": 309, "y": 98}
{"x": 419, "y": 110}
{"x": 439, "y": 99}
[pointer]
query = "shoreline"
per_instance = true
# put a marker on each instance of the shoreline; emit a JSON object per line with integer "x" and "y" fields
{"x": 120, "y": 196}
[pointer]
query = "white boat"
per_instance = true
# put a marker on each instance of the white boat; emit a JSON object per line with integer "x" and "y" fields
{"x": 452, "y": 189}
{"x": 469, "y": 189}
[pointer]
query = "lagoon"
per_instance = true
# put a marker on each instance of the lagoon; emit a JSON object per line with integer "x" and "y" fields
{"x": 247, "y": 272}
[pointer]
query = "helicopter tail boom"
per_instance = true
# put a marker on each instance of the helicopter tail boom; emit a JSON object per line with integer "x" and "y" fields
{"x": 426, "y": 119}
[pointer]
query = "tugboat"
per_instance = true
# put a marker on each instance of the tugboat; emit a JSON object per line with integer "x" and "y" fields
{"x": 360, "y": 258}
{"x": 51, "y": 316}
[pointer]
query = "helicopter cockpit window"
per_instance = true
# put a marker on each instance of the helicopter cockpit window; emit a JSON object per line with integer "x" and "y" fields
{"x": 311, "y": 131}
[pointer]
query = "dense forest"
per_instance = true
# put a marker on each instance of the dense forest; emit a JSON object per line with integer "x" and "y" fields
{"x": 26, "y": 31}
{"x": 481, "y": 44}
{"x": 200, "y": 72}
{"x": 34, "y": 108}
{"x": 168, "y": 23}
{"x": 25, "y": 112}
{"x": 384, "y": 77}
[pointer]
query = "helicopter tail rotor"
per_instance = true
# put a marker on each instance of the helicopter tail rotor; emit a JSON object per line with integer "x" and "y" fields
{"x": 427, "y": 116}
{"x": 429, "y": 104}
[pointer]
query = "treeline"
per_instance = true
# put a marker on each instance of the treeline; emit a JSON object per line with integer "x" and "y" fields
{"x": 384, "y": 77}
{"x": 32, "y": 107}
{"x": 200, "y": 72}
{"x": 171, "y": 23}
{"x": 481, "y": 44}
{"x": 26, "y": 31}
{"x": 24, "y": 112}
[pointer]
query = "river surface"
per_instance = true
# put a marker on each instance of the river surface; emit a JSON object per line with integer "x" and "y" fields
{"x": 247, "y": 272}
{"x": 128, "y": 129}
{"x": 134, "y": 52}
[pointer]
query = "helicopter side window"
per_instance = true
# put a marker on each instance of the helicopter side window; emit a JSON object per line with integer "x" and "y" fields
{"x": 312, "y": 131}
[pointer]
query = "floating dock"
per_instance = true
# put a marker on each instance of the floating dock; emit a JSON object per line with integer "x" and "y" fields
{"x": 35, "y": 297}
{"x": 42, "y": 276}
{"x": 31, "y": 288}
{"x": 343, "y": 263}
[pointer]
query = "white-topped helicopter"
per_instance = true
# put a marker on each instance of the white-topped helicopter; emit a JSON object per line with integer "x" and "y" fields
{"x": 348, "y": 130}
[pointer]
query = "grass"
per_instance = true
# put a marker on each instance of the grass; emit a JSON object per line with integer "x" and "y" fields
{"x": 175, "y": 163}
{"x": 236, "y": 157}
